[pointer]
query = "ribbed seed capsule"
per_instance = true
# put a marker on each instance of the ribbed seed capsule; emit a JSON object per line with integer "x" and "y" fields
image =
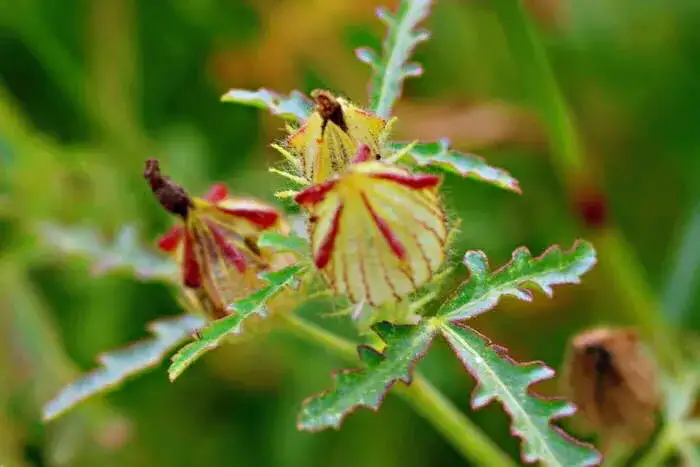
{"x": 612, "y": 379}
{"x": 329, "y": 139}
{"x": 378, "y": 232}
{"x": 215, "y": 241}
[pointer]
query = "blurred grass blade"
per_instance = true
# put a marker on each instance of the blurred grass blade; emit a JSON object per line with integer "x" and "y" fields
{"x": 685, "y": 271}
{"x": 120, "y": 364}
{"x": 212, "y": 335}
{"x": 500, "y": 377}
{"x": 438, "y": 154}
{"x": 405, "y": 345}
{"x": 284, "y": 243}
{"x": 483, "y": 290}
{"x": 34, "y": 367}
{"x": 527, "y": 49}
{"x": 294, "y": 107}
{"x": 125, "y": 254}
{"x": 390, "y": 70}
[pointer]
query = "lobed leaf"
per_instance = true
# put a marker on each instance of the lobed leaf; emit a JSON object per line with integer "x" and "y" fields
{"x": 483, "y": 290}
{"x": 123, "y": 363}
{"x": 438, "y": 154}
{"x": 284, "y": 243}
{"x": 393, "y": 68}
{"x": 405, "y": 345}
{"x": 124, "y": 254}
{"x": 296, "y": 106}
{"x": 499, "y": 377}
{"x": 212, "y": 335}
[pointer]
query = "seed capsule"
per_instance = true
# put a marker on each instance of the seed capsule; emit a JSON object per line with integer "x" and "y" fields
{"x": 328, "y": 141}
{"x": 379, "y": 231}
{"x": 614, "y": 382}
{"x": 215, "y": 241}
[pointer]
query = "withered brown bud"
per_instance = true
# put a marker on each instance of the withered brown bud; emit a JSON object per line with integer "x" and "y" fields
{"x": 170, "y": 195}
{"x": 328, "y": 108}
{"x": 614, "y": 382}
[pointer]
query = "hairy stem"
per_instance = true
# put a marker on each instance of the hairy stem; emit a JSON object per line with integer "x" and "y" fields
{"x": 425, "y": 399}
{"x": 621, "y": 266}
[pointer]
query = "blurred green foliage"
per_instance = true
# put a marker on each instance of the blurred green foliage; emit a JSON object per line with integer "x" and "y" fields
{"x": 92, "y": 88}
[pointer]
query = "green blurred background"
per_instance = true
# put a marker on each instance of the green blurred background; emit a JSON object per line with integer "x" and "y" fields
{"x": 90, "y": 88}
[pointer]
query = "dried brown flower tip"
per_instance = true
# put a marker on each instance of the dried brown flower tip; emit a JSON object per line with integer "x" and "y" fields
{"x": 329, "y": 108}
{"x": 170, "y": 195}
{"x": 614, "y": 382}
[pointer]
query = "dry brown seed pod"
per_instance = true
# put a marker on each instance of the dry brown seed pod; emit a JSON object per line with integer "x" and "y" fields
{"x": 612, "y": 379}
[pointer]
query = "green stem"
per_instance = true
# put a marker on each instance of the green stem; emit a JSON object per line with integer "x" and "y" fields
{"x": 541, "y": 84}
{"x": 643, "y": 307}
{"x": 659, "y": 451}
{"x": 621, "y": 265}
{"x": 616, "y": 455}
{"x": 425, "y": 399}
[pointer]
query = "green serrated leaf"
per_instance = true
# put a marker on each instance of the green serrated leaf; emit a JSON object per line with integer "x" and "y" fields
{"x": 483, "y": 290}
{"x": 439, "y": 155}
{"x": 499, "y": 377}
{"x": 124, "y": 254}
{"x": 389, "y": 71}
{"x": 405, "y": 345}
{"x": 213, "y": 334}
{"x": 123, "y": 363}
{"x": 284, "y": 243}
{"x": 294, "y": 107}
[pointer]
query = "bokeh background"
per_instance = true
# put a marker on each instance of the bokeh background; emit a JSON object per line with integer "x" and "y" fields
{"x": 89, "y": 89}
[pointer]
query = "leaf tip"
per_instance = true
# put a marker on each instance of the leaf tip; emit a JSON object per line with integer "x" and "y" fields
{"x": 366, "y": 55}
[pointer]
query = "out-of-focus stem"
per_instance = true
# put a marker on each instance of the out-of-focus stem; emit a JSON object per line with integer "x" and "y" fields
{"x": 643, "y": 308}
{"x": 425, "y": 399}
{"x": 660, "y": 450}
{"x": 541, "y": 83}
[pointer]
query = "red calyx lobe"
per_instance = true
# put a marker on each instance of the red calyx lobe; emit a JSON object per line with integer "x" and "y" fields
{"x": 315, "y": 194}
{"x": 324, "y": 252}
{"x": 216, "y": 193}
{"x": 263, "y": 218}
{"x": 231, "y": 253}
{"x": 415, "y": 182}
{"x": 192, "y": 276}
{"x": 394, "y": 243}
{"x": 169, "y": 241}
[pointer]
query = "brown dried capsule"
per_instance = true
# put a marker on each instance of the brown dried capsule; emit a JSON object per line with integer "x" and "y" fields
{"x": 614, "y": 382}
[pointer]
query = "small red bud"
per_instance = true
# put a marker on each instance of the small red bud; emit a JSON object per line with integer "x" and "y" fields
{"x": 591, "y": 206}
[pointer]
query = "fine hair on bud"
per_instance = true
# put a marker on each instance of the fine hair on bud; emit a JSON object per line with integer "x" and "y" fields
{"x": 613, "y": 380}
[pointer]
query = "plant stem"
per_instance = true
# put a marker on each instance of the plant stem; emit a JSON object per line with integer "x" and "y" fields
{"x": 541, "y": 83}
{"x": 643, "y": 309}
{"x": 643, "y": 306}
{"x": 425, "y": 399}
{"x": 660, "y": 450}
